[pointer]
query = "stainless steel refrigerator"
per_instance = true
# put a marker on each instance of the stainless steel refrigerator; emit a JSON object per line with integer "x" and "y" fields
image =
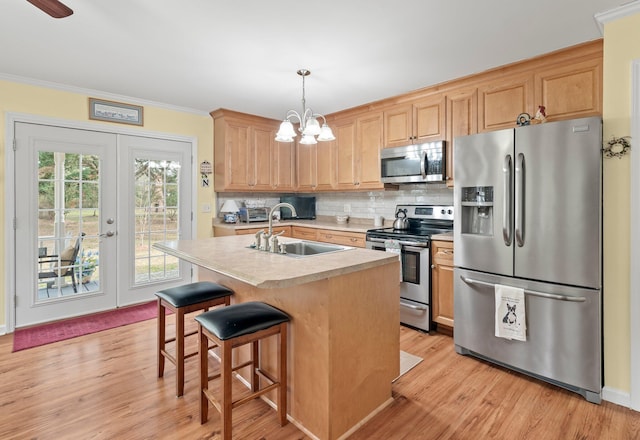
{"x": 528, "y": 205}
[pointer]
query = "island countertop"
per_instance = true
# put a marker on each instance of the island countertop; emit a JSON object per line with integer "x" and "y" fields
{"x": 344, "y": 340}
{"x": 232, "y": 257}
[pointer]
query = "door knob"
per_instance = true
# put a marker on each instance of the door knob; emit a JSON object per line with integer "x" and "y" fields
{"x": 108, "y": 234}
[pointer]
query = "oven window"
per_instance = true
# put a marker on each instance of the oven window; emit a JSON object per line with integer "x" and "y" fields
{"x": 410, "y": 267}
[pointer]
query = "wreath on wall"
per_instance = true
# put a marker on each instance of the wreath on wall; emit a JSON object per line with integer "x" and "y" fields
{"x": 617, "y": 147}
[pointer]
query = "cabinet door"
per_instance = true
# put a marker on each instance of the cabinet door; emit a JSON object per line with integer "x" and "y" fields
{"x": 261, "y": 157}
{"x": 283, "y": 166}
{"x": 238, "y": 155}
{"x": 345, "y": 133}
{"x": 442, "y": 282}
{"x": 286, "y": 231}
{"x": 398, "y": 129}
{"x": 501, "y": 101}
{"x": 462, "y": 120}
{"x": 326, "y": 165}
{"x": 306, "y": 167}
{"x": 429, "y": 119}
{"x": 368, "y": 146}
{"x": 570, "y": 91}
{"x": 355, "y": 239}
{"x": 304, "y": 233}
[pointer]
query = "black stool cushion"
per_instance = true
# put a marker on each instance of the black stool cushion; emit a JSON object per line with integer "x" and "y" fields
{"x": 193, "y": 293}
{"x": 241, "y": 319}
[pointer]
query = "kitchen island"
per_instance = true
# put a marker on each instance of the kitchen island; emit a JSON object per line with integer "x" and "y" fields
{"x": 344, "y": 330}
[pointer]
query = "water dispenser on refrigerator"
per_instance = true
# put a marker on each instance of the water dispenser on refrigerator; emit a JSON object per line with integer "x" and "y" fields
{"x": 477, "y": 210}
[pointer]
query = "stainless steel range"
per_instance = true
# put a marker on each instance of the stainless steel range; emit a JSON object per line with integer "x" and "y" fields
{"x": 413, "y": 244}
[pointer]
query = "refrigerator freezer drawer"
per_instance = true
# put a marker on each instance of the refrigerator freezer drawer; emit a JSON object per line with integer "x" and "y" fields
{"x": 564, "y": 338}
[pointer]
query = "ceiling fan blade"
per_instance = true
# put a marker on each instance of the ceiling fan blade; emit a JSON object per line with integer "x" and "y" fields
{"x": 52, "y": 7}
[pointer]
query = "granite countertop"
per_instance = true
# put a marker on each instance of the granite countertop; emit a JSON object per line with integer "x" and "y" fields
{"x": 232, "y": 257}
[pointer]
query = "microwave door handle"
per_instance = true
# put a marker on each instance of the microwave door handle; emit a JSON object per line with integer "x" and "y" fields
{"x": 507, "y": 226}
{"x": 424, "y": 164}
{"x": 520, "y": 194}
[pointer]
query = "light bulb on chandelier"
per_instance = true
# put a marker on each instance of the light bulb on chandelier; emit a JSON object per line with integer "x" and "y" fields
{"x": 310, "y": 128}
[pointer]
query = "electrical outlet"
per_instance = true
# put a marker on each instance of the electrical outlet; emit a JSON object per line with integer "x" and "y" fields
{"x": 205, "y": 207}
{"x": 347, "y": 207}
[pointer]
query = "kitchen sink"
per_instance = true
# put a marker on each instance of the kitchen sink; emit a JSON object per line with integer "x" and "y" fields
{"x": 309, "y": 248}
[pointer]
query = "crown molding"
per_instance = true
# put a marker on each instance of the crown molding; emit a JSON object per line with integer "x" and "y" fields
{"x": 98, "y": 94}
{"x": 624, "y": 10}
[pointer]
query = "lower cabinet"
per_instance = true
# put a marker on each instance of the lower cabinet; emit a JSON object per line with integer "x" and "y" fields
{"x": 304, "y": 233}
{"x": 286, "y": 231}
{"x": 219, "y": 231}
{"x": 442, "y": 282}
{"x": 355, "y": 239}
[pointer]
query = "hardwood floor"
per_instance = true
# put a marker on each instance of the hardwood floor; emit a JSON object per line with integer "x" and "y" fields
{"x": 104, "y": 386}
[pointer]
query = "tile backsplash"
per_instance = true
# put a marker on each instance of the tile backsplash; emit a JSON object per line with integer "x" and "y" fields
{"x": 365, "y": 204}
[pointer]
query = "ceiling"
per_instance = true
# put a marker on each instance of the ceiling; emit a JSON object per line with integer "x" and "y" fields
{"x": 200, "y": 55}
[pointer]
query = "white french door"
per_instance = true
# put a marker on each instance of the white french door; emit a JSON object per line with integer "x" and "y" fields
{"x": 156, "y": 207}
{"x": 89, "y": 206}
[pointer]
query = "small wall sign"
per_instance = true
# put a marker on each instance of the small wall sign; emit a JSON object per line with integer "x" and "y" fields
{"x": 111, "y": 111}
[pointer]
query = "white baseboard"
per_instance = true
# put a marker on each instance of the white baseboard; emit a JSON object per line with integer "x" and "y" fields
{"x": 616, "y": 396}
{"x": 3, "y": 330}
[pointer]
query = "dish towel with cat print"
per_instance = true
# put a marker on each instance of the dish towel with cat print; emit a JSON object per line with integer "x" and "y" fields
{"x": 511, "y": 318}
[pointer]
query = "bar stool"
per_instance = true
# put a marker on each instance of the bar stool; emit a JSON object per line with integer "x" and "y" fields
{"x": 182, "y": 300}
{"x": 233, "y": 326}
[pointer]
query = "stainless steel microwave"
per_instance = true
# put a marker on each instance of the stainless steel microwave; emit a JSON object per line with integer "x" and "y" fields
{"x": 414, "y": 163}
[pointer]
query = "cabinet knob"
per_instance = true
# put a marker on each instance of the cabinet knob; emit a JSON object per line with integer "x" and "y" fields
{"x": 433, "y": 266}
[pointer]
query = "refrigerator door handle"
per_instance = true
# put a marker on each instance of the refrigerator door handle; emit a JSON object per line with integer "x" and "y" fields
{"x": 507, "y": 226}
{"x": 520, "y": 194}
{"x": 468, "y": 280}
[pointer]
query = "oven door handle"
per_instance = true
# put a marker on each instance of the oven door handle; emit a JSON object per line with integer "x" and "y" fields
{"x": 411, "y": 306}
{"x": 401, "y": 242}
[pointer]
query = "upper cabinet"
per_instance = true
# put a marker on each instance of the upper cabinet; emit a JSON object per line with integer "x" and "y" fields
{"x": 357, "y": 145}
{"x": 462, "y": 120}
{"x": 570, "y": 90}
{"x": 567, "y": 82}
{"x": 246, "y": 156}
{"x": 415, "y": 122}
{"x": 502, "y": 100}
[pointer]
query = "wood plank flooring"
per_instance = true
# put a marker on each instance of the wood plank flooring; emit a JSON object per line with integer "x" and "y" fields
{"x": 104, "y": 386}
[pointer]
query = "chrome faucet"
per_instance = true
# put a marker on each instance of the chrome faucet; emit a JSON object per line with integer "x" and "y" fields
{"x": 278, "y": 205}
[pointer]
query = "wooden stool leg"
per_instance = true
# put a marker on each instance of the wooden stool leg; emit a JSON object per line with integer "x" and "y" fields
{"x": 255, "y": 363}
{"x": 179, "y": 352}
{"x": 226, "y": 404}
{"x": 281, "y": 393}
{"x": 204, "y": 374}
{"x": 161, "y": 337}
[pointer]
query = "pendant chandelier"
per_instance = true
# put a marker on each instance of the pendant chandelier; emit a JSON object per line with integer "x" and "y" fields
{"x": 309, "y": 125}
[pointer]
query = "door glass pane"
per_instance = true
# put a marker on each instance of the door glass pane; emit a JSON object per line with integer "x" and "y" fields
{"x": 68, "y": 225}
{"x": 156, "y": 218}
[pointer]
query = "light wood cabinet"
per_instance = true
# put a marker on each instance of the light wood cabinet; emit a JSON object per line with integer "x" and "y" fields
{"x": 356, "y": 239}
{"x": 462, "y": 120}
{"x": 357, "y": 146}
{"x": 315, "y": 166}
{"x": 416, "y": 122}
{"x": 304, "y": 233}
{"x": 442, "y": 282}
{"x": 246, "y": 156}
{"x": 501, "y": 100}
{"x": 286, "y": 231}
{"x": 570, "y": 90}
{"x": 283, "y": 178}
